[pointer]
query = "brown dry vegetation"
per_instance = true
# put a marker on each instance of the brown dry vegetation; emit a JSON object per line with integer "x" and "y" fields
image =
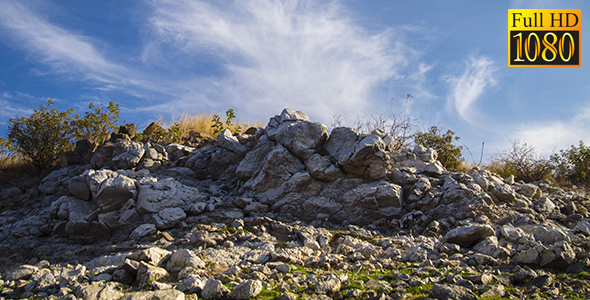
{"x": 202, "y": 123}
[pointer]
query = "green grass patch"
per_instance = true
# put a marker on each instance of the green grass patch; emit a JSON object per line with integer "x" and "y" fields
{"x": 269, "y": 293}
{"x": 420, "y": 291}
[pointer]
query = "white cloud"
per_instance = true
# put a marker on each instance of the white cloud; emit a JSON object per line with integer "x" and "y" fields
{"x": 551, "y": 136}
{"x": 61, "y": 49}
{"x": 478, "y": 75}
{"x": 306, "y": 55}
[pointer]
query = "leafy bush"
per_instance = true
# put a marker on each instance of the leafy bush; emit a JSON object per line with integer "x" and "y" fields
{"x": 522, "y": 161}
{"x": 165, "y": 136}
{"x": 573, "y": 165}
{"x": 42, "y": 135}
{"x": 448, "y": 154}
{"x": 219, "y": 126}
{"x": 97, "y": 123}
{"x": 48, "y": 131}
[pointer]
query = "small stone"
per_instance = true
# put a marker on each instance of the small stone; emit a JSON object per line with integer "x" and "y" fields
{"x": 142, "y": 231}
{"x": 160, "y": 286}
{"x": 283, "y": 268}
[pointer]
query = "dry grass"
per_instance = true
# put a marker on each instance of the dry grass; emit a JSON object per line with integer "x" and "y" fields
{"x": 465, "y": 166}
{"x": 202, "y": 123}
{"x": 14, "y": 169}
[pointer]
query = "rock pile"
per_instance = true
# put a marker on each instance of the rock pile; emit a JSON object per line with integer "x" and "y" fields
{"x": 288, "y": 211}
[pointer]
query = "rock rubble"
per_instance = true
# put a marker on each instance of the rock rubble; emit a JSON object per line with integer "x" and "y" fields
{"x": 290, "y": 211}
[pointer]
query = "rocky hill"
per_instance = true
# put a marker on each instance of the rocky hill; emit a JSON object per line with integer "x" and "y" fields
{"x": 289, "y": 211}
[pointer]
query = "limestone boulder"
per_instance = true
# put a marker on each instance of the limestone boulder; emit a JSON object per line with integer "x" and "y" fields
{"x": 366, "y": 154}
{"x": 227, "y": 141}
{"x": 321, "y": 168}
{"x": 303, "y": 138}
{"x": 159, "y": 194}
{"x": 83, "y": 225}
{"x": 109, "y": 190}
{"x": 279, "y": 165}
{"x": 169, "y": 217}
{"x": 468, "y": 235}
{"x": 253, "y": 161}
{"x": 248, "y": 289}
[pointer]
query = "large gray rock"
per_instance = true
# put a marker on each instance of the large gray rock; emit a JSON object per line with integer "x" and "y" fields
{"x": 279, "y": 165}
{"x": 559, "y": 256}
{"x": 79, "y": 188}
{"x": 83, "y": 225}
{"x": 183, "y": 258}
{"x": 303, "y": 138}
{"x": 127, "y": 154}
{"x": 99, "y": 291}
{"x": 22, "y": 272}
{"x": 255, "y": 158}
{"x": 504, "y": 192}
{"x": 544, "y": 205}
{"x": 191, "y": 285}
{"x": 177, "y": 151}
{"x": 340, "y": 140}
{"x": 380, "y": 193}
{"x": 156, "y": 295}
{"x": 154, "y": 196}
{"x": 142, "y": 231}
{"x": 154, "y": 256}
{"x": 110, "y": 190}
{"x": 365, "y": 158}
{"x": 147, "y": 273}
{"x": 129, "y": 159}
{"x": 468, "y": 235}
{"x": 530, "y": 191}
{"x": 451, "y": 292}
{"x": 70, "y": 276}
{"x": 246, "y": 290}
{"x": 277, "y": 123}
{"x": 583, "y": 226}
{"x": 57, "y": 182}
{"x": 330, "y": 285}
{"x": 214, "y": 289}
{"x": 321, "y": 168}
{"x": 549, "y": 234}
{"x": 227, "y": 141}
{"x": 514, "y": 234}
{"x": 169, "y": 217}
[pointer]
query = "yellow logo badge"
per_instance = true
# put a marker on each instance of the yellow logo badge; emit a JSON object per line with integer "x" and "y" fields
{"x": 544, "y": 37}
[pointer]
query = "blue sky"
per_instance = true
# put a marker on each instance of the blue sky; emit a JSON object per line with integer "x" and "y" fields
{"x": 326, "y": 58}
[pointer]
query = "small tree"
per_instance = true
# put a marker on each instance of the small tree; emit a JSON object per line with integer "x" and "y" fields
{"x": 48, "y": 131}
{"x": 574, "y": 164}
{"x": 97, "y": 123}
{"x": 448, "y": 154}
{"x": 42, "y": 135}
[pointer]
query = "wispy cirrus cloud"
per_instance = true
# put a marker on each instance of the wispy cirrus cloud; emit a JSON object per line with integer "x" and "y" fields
{"x": 551, "y": 135}
{"x": 54, "y": 46}
{"x": 477, "y": 76}
{"x": 306, "y": 55}
{"x": 254, "y": 56}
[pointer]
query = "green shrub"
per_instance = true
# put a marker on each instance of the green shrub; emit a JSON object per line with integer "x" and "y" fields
{"x": 448, "y": 154}
{"x": 48, "y": 131}
{"x": 219, "y": 126}
{"x": 522, "y": 161}
{"x": 97, "y": 123}
{"x": 166, "y": 136}
{"x": 42, "y": 135}
{"x": 573, "y": 165}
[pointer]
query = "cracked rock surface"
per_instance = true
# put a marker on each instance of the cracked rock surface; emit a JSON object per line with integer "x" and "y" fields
{"x": 290, "y": 211}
